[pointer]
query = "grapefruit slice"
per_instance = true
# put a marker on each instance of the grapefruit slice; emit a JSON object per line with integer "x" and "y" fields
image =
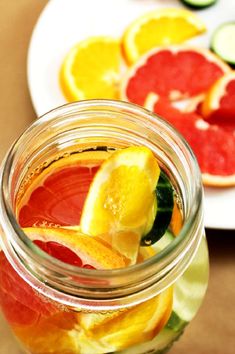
{"x": 91, "y": 69}
{"x": 159, "y": 27}
{"x": 73, "y": 247}
{"x": 20, "y": 303}
{"x": 174, "y": 72}
{"x": 213, "y": 146}
{"x": 55, "y": 196}
{"x": 219, "y": 104}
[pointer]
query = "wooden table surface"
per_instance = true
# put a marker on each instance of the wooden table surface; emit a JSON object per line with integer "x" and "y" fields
{"x": 213, "y": 329}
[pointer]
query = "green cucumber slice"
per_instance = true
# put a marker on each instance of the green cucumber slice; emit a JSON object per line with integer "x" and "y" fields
{"x": 159, "y": 345}
{"x": 223, "y": 42}
{"x": 199, "y": 4}
{"x": 176, "y": 323}
{"x": 165, "y": 203}
{"x": 164, "y": 241}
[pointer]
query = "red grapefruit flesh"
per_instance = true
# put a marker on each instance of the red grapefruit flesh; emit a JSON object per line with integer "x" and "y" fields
{"x": 57, "y": 194}
{"x": 60, "y": 199}
{"x": 20, "y": 303}
{"x": 219, "y": 104}
{"x": 213, "y": 146}
{"x": 172, "y": 72}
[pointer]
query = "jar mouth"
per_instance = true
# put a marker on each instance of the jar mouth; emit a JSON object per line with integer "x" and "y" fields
{"x": 17, "y": 245}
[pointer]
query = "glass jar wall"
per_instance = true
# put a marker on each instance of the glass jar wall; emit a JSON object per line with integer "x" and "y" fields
{"x": 61, "y": 308}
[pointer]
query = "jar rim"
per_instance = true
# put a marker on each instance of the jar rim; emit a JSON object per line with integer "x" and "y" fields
{"x": 17, "y": 243}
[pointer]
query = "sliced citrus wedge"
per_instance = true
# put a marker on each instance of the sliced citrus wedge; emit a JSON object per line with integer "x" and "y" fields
{"x": 121, "y": 197}
{"x": 91, "y": 69}
{"x": 47, "y": 335}
{"x": 206, "y": 140}
{"x": 218, "y": 105}
{"x": 132, "y": 326}
{"x": 75, "y": 248}
{"x": 55, "y": 192}
{"x": 175, "y": 72}
{"x": 160, "y": 27}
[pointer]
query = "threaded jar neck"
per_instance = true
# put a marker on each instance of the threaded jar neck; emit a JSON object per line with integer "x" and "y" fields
{"x": 88, "y": 124}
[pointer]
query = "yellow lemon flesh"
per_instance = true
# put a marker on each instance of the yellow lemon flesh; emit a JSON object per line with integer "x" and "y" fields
{"x": 121, "y": 199}
{"x": 160, "y": 27}
{"x": 91, "y": 69}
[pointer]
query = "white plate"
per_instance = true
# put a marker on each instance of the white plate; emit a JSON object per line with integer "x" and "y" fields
{"x": 65, "y": 22}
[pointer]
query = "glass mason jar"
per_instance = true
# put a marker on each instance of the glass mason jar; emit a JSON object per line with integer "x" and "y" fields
{"x": 54, "y": 307}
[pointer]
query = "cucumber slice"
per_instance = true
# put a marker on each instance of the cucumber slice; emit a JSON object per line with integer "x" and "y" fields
{"x": 159, "y": 345}
{"x": 199, "y": 4}
{"x": 176, "y": 323}
{"x": 223, "y": 42}
{"x": 165, "y": 203}
{"x": 165, "y": 240}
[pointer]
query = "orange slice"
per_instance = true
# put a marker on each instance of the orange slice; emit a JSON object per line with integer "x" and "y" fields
{"x": 91, "y": 69}
{"x": 160, "y": 27}
{"x": 50, "y": 334}
{"x": 90, "y": 250}
{"x": 132, "y": 326}
{"x": 121, "y": 198}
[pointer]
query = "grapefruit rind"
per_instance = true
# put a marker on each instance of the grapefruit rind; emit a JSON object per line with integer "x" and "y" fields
{"x": 218, "y": 181}
{"x": 90, "y": 249}
{"x": 216, "y": 92}
{"x": 130, "y": 47}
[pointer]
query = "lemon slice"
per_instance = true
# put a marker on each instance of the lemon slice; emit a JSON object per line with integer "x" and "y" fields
{"x": 91, "y": 69}
{"x": 122, "y": 198}
{"x": 160, "y": 27}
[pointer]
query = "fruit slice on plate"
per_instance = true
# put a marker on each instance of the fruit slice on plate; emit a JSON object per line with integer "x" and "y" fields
{"x": 175, "y": 72}
{"x": 56, "y": 194}
{"x": 219, "y": 104}
{"x": 121, "y": 197}
{"x": 222, "y": 42}
{"x": 198, "y": 4}
{"x": 91, "y": 69}
{"x": 132, "y": 326}
{"x": 159, "y": 27}
{"x": 213, "y": 146}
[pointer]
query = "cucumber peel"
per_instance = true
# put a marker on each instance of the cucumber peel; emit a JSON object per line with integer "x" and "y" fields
{"x": 223, "y": 42}
{"x": 199, "y": 4}
{"x": 176, "y": 323}
{"x": 165, "y": 202}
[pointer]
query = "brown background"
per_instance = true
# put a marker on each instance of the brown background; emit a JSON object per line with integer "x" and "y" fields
{"x": 213, "y": 330}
